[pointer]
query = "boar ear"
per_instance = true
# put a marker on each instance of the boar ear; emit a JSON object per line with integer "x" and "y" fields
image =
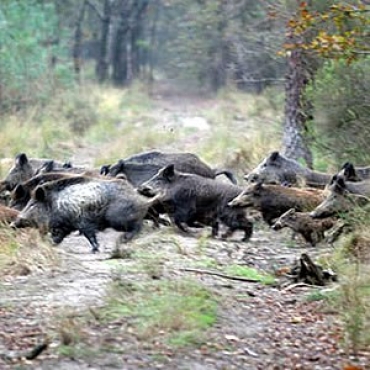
{"x": 21, "y": 159}
{"x": 104, "y": 169}
{"x": 274, "y": 156}
{"x": 169, "y": 172}
{"x": 19, "y": 191}
{"x": 49, "y": 165}
{"x": 40, "y": 194}
{"x": 346, "y": 165}
{"x": 67, "y": 164}
{"x": 120, "y": 166}
{"x": 340, "y": 185}
{"x": 333, "y": 179}
{"x": 349, "y": 171}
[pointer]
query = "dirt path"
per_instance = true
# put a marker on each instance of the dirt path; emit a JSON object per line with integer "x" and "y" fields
{"x": 258, "y": 327}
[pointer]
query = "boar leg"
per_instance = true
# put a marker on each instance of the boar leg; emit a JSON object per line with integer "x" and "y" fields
{"x": 248, "y": 230}
{"x": 91, "y": 237}
{"x": 129, "y": 235}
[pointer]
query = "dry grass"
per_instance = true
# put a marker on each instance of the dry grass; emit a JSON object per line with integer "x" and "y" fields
{"x": 23, "y": 252}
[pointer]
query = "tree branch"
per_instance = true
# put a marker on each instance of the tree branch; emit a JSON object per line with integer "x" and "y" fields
{"x": 94, "y": 7}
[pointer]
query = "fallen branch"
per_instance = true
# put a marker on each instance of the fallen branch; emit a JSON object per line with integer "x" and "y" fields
{"x": 28, "y": 355}
{"x": 219, "y": 274}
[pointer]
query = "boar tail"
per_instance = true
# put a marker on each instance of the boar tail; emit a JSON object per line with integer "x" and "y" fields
{"x": 228, "y": 174}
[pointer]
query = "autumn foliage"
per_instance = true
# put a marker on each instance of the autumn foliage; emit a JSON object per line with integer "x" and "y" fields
{"x": 341, "y": 31}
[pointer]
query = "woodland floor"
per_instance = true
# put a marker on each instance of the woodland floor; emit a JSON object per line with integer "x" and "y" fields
{"x": 258, "y": 326}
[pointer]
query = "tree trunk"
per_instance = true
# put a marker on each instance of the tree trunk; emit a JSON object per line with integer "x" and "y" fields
{"x": 102, "y": 65}
{"x": 119, "y": 57}
{"x": 77, "y": 45}
{"x": 294, "y": 142}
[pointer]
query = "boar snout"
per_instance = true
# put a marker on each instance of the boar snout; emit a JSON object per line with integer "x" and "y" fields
{"x": 253, "y": 177}
{"x": 20, "y": 223}
{"x": 146, "y": 190}
{"x": 276, "y": 226}
{"x": 313, "y": 214}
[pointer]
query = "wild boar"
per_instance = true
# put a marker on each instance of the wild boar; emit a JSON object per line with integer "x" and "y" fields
{"x": 87, "y": 205}
{"x": 351, "y": 173}
{"x": 191, "y": 199}
{"x": 341, "y": 185}
{"x": 278, "y": 169}
{"x": 21, "y": 194}
{"x": 22, "y": 170}
{"x": 52, "y": 166}
{"x": 274, "y": 200}
{"x": 152, "y": 161}
{"x": 342, "y": 197}
{"x": 311, "y": 229}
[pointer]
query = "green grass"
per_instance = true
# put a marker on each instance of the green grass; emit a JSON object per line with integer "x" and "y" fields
{"x": 250, "y": 273}
{"x": 321, "y": 295}
{"x": 176, "y": 312}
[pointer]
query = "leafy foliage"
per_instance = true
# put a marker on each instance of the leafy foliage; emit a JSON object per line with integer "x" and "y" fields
{"x": 339, "y": 96}
{"x": 29, "y": 47}
{"x": 339, "y": 32}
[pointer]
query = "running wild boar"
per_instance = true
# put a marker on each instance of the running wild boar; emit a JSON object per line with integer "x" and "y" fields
{"x": 312, "y": 230}
{"x": 191, "y": 199}
{"x": 274, "y": 200}
{"x": 141, "y": 167}
{"x": 87, "y": 205}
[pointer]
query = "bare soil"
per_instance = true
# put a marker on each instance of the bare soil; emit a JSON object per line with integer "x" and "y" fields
{"x": 258, "y": 326}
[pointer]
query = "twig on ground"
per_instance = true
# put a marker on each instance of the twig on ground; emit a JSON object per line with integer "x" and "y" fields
{"x": 219, "y": 274}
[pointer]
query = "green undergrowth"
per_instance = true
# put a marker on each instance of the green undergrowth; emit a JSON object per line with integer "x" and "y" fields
{"x": 350, "y": 260}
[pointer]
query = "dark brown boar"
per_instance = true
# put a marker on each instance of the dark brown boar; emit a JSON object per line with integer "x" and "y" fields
{"x": 152, "y": 161}
{"x": 87, "y": 205}
{"x": 190, "y": 199}
{"x": 274, "y": 200}
{"x": 313, "y": 231}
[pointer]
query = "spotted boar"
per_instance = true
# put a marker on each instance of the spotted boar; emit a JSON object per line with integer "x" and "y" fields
{"x": 274, "y": 200}
{"x": 190, "y": 199}
{"x": 87, "y": 205}
{"x": 312, "y": 230}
